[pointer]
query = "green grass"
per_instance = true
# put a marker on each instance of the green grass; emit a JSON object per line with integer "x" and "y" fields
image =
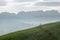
{"x": 49, "y": 31}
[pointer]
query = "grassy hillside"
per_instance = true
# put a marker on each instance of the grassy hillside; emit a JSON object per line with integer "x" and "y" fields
{"x": 49, "y": 31}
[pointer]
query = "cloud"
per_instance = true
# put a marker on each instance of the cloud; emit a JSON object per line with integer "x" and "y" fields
{"x": 31, "y": 5}
{"x": 47, "y": 4}
{"x": 2, "y": 2}
{"x": 24, "y": 0}
{"x": 52, "y": 0}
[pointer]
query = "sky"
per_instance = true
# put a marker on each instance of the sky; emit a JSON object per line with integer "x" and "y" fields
{"x": 28, "y": 5}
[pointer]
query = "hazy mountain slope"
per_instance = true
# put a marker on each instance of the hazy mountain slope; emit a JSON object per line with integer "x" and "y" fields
{"x": 43, "y": 32}
{"x": 10, "y": 22}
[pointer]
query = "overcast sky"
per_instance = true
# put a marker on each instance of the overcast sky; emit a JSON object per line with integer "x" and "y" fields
{"x": 28, "y": 5}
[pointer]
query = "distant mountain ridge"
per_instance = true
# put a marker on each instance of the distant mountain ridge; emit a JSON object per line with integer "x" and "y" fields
{"x": 31, "y": 14}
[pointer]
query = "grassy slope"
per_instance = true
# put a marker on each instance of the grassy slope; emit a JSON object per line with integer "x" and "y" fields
{"x": 43, "y": 32}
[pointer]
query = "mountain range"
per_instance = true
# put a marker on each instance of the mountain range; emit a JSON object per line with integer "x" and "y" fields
{"x": 10, "y": 22}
